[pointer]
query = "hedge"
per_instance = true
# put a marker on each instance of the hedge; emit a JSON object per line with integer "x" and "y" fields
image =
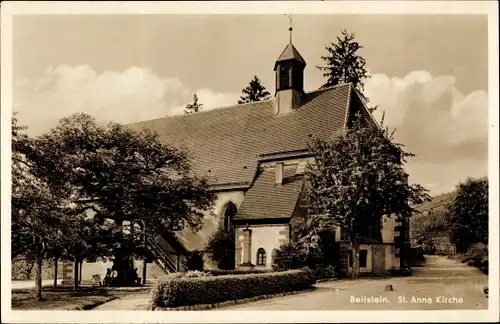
{"x": 220, "y": 272}
{"x": 175, "y": 292}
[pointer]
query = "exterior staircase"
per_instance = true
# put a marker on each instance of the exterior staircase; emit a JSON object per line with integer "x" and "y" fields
{"x": 165, "y": 256}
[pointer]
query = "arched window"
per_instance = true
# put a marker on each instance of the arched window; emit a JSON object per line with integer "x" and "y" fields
{"x": 227, "y": 219}
{"x": 261, "y": 257}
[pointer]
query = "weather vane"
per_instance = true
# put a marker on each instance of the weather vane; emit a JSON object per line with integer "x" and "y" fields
{"x": 290, "y": 29}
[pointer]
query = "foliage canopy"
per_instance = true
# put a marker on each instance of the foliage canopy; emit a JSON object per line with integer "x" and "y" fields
{"x": 468, "y": 214}
{"x": 357, "y": 178}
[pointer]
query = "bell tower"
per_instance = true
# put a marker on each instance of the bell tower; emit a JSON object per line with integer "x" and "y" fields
{"x": 289, "y": 73}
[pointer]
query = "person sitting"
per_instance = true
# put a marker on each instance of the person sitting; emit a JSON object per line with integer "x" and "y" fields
{"x": 96, "y": 280}
{"x": 108, "y": 278}
{"x": 116, "y": 279}
{"x": 135, "y": 278}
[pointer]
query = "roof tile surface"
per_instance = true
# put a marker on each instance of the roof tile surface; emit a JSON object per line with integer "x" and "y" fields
{"x": 290, "y": 53}
{"x": 225, "y": 143}
{"x": 267, "y": 200}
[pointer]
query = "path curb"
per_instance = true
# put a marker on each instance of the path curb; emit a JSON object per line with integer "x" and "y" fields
{"x": 95, "y": 304}
{"x": 226, "y": 303}
{"x": 327, "y": 280}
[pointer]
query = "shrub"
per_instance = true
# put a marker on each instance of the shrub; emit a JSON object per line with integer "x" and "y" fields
{"x": 208, "y": 290}
{"x": 403, "y": 272}
{"x": 221, "y": 249}
{"x": 477, "y": 256}
{"x": 196, "y": 274}
{"x": 219, "y": 272}
{"x": 173, "y": 275}
{"x": 417, "y": 257}
{"x": 325, "y": 271}
{"x": 429, "y": 248}
{"x": 195, "y": 261}
{"x": 289, "y": 256}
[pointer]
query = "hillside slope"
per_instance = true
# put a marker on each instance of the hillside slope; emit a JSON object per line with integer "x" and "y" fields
{"x": 428, "y": 225}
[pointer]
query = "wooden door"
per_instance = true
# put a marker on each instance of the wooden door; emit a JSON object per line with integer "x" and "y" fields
{"x": 378, "y": 258}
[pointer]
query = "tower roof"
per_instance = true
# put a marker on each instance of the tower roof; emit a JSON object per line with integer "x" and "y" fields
{"x": 290, "y": 53}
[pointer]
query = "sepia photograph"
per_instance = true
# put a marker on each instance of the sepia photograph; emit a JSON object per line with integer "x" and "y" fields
{"x": 193, "y": 162}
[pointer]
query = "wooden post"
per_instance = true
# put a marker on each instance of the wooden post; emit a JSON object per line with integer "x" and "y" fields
{"x": 75, "y": 274}
{"x": 55, "y": 272}
{"x": 145, "y": 265}
{"x": 144, "y": 268}
{"x": 80, "y": 275}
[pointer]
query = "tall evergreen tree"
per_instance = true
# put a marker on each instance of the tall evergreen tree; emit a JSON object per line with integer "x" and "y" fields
{"x": 194, "y": 106}
{"x": 255, "y": 91}
{"x": 343, "y": 64}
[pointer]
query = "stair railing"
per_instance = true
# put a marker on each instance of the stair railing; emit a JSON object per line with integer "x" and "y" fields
{"x": 164, "y": 257}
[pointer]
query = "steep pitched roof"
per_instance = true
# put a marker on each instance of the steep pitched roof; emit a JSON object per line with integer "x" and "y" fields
{"x": 225, "y": 143}
{"x": 265, "y": 200}
{"x": 290, "y": 53}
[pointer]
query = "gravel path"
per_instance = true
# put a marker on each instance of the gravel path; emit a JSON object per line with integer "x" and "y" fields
{"x": 134, "y": 301}
{"x": 440, "y": 284}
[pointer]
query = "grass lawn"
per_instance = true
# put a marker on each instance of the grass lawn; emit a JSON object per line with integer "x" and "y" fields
{"x": 64, "y": 298}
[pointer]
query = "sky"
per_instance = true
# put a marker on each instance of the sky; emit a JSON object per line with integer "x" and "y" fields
{"x": 429, "y": 73}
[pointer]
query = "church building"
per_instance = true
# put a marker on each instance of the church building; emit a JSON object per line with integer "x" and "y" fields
{"x": 255, "y": 155}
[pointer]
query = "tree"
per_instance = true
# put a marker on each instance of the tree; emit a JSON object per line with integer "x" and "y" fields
{"x": 255, "y": 91}
{"x": 468, "y": 214}
{"x": 39, "y": 212}
{"x": 193, "y": 107}
{"x": 117, "y": 175}
{"x": 220, "y": 246}
{"x": 358, "y": 178}
{"x": 343, "y": 64}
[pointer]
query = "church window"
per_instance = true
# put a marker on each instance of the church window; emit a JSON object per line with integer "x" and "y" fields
{"x": 227, "y": 219}
{"x": 261, "y": 257}
{"x": 285, "y": 73}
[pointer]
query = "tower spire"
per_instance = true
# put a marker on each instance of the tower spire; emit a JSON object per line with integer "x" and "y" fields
{"x": 289, "y": 71}
{"x": 290, "y": 29}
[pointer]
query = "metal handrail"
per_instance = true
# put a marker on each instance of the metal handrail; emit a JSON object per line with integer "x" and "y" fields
{"x": 164, "y": 258}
